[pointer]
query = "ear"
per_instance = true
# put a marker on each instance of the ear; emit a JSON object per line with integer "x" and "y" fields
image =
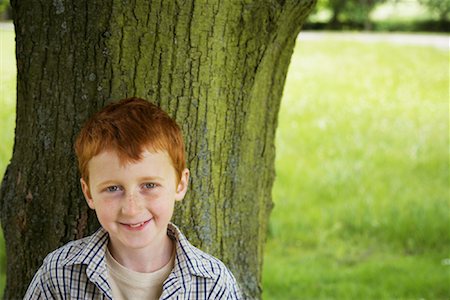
{"x": 182, "y": 185}
{"x": 87, "y": 193}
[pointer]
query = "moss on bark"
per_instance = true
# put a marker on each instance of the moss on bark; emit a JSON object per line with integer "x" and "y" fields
{"x": 218, "y": 67}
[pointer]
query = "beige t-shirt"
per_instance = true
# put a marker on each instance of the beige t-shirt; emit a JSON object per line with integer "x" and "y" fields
{"x": 128, "y": 284}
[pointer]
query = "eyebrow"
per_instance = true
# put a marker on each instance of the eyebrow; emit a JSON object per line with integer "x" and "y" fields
{"x": 150, "y": 178}
{"x": 106, "y": 183}
{"x": 117, "y": 182}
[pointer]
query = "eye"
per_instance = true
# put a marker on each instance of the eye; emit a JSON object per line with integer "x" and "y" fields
{"x": 113, "y": 189}
{"x": 149, "y": 186}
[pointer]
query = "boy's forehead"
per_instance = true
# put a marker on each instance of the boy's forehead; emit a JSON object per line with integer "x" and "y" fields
{"x": 113, "y": 159}
{"x": 107, "y": 166}
{"x": 125, "y": 159}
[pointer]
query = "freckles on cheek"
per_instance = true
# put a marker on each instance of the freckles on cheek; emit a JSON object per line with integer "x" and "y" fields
{"x": 157, "y": 206}
{"x": 162, "y": 206}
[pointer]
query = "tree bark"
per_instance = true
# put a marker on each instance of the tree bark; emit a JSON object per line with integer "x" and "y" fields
{"x": 218, "y": 67}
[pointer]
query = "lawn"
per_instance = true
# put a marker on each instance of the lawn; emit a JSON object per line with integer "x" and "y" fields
{"x": 7, "y": 119}
{"x": 362, "y": 189}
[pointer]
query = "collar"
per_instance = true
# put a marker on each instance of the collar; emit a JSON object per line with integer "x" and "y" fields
{"x": 189, "y": 257}
{"x": 92, "y": 251}
{"x": 189, "y": 261}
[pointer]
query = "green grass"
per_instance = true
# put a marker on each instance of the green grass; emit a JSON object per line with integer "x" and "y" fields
{"x": 362, "y": 196}
{"x": 362, "y": 207}
{"x": 7, "y": 96}
{"x": 7, "y": 119}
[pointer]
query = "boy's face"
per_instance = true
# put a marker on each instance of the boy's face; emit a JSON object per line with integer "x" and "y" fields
{"x": 134, "y": 202}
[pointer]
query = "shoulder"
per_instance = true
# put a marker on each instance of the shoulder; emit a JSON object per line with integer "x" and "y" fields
{"x": 74, "y": 252}
{"x": 65, "y": 253}
{"x": 212, "y": 278}
{"x": 208, "y": 265}
{"x": 61, "y": 266}
{"x": 209, "y": 274}
{"x": 197, "y": 261}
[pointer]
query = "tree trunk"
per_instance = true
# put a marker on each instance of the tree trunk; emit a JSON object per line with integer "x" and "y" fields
{"x": 218, "y": 67}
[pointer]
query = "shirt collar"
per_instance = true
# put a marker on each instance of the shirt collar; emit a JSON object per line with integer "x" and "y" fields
{"x": 188, "y": 261}
{"x": 93, "y": 250}
{"x": 92, "y": 253}
{"x": 188, "y": 257}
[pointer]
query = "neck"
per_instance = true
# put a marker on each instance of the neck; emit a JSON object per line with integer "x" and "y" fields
{"x": 145, "y": 260}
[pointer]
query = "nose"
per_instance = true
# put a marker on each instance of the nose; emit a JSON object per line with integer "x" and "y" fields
{"x": 132, "y": 204}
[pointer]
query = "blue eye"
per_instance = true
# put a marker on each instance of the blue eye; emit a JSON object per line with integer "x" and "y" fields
{"x": 149, "y": 186}
{"x": 113, "y": 189}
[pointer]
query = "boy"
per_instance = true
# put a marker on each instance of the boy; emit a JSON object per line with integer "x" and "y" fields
{"x": 132, "y": 164}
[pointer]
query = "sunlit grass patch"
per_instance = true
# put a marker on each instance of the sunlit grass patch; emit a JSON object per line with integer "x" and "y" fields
{"x": 7, "y": 97}
{"x": 355, "y": 271}
{"x": 7, "y": 120}
{"x": 362, "y": 168}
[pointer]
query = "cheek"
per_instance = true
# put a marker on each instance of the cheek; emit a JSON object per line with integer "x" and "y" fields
{"x": 103, "y": 214}
{"x": 106, "y": 209}
{"x": 162, "y": 206}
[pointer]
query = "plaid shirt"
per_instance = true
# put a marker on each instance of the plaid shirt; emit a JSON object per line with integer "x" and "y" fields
{"x": 78, "y": 271}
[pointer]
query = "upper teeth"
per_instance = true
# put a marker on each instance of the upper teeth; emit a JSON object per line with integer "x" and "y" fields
{"x": 137, "y": 225}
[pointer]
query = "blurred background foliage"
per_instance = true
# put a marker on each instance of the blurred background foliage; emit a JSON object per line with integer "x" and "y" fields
{"x": 386, "y": 15}
{"x": 381, "y": 15}
{"x": 362, "y": 189}
{"x": 5, "y": 10}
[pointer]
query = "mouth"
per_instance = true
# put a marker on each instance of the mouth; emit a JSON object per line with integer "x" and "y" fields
{"x": 136, "y": 226}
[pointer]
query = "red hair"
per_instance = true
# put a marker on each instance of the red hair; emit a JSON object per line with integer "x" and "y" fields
{"x": 128, "y": 127}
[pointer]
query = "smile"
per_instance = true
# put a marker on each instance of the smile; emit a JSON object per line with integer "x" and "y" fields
{"x": 136, "y": 226}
